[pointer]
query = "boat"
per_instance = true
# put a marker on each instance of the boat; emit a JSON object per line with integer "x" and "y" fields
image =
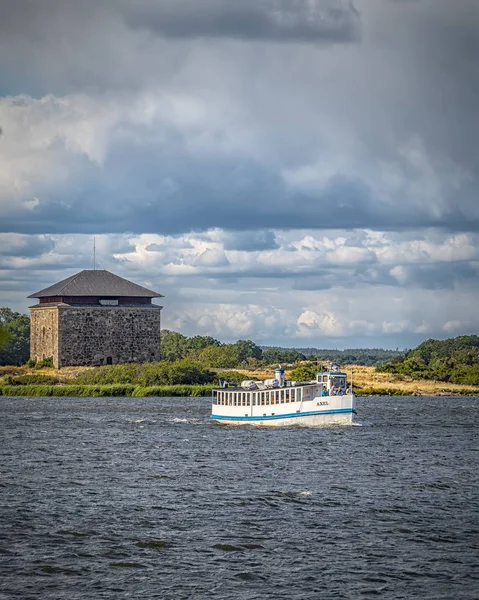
{"x": 328, "y": 400}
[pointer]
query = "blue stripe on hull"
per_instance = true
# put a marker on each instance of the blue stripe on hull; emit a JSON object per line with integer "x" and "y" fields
{"x": 286, "y": 416}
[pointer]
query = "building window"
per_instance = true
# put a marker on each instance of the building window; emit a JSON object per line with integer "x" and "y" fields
{"x": 109, "y": 360}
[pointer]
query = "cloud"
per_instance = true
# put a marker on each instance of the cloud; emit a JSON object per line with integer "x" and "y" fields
{"x": 25, "y": 246}
{"x": 293, "y": 155}
{"x": 279, "y": 20}
{"x": 250, "y": 241}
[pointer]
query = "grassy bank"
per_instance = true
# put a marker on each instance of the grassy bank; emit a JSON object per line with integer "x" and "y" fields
{"x": 96, "y": 391}
{"x": 367, "y": 381}
{"x": 154, "y": 380}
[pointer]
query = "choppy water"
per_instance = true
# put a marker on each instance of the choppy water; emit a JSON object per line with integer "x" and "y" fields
{"x": 145, "y": 498}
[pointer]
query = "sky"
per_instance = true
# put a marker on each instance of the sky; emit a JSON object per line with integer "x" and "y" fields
{"x": 302, "y": 173}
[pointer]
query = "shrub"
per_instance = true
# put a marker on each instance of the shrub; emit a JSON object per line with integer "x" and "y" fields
{"x": 105, "y": 390}
{"x": 149, "y": 374}
{"x": 45, "y": 363}
{"x": 30, "y": 363}
{"x": 34, "y": 379}
{"x": 304, "y": 372}
{"x": 172, "y": 390}
{"x": 67, "y": 390}
{"x": 234, "y": 376}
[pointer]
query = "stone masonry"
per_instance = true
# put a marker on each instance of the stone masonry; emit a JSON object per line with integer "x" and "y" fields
{"x": 95, "y": 318}
{"x": 44, "y": 333}
{"x": 95, "y": 335}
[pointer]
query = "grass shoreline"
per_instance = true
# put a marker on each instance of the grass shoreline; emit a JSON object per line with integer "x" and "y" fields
{"x": 163, "y": 391}
{"x": 110, "y": 391}
{"x": 366, "y": 380}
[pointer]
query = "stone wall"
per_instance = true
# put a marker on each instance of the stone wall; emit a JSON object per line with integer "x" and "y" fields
{"x": 100, "y": 335}
{"x": 95, "y": 335}
{"x": 44, "y": 333}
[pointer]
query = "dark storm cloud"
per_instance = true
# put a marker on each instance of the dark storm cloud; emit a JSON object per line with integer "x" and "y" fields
{"x": 26, "y": 246}
{"x": 442, "y": 276}
{"x": 413, "y": 76}
{"x": 132, "y": 198}
{"x": 251, "y": 241}
{"x": 279, "y": 20}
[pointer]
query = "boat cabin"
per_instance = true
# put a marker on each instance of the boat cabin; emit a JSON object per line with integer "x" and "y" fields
{"x": 280, "y": 391}
{"x": 334, "y": 383}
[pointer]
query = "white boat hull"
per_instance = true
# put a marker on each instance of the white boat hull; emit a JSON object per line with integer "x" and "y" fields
{"x": 319, "y": 412}
{"x": 319, "y": 420}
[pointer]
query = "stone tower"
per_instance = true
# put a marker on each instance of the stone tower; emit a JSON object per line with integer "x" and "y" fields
{"x": 95, "y": 318}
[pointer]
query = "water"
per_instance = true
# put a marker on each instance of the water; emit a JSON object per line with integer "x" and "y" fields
{"x": 145, "y": 498}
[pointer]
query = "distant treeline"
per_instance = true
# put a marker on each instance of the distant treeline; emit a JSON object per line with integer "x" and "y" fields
{"x": 213, "y": 353}
{"x": 368, "y": 357}
{"x": 15, "y": 349}
{"x": 455, "y": 360}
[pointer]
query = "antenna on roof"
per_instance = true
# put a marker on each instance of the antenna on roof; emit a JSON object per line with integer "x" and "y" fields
{"x": 94, "y": 254}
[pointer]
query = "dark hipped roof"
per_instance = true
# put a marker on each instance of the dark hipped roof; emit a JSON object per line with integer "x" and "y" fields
{"x": 96, "y": 283}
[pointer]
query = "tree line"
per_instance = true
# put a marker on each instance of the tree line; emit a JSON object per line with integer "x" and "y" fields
{"x": 14, "y": 337}
{"x": 455, "y": 360}
{"x": 210, "y": 352}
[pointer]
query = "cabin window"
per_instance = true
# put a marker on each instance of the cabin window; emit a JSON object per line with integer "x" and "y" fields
{"x": 262, "y": 398}
{"x": 325, "y": 378}
{"x": 282, "y": 396}
{"x": 287, "y": 395}
{"x": 277, "y": 397}
{"x": 293, "y": 395}
{"x": 248, "y": 399}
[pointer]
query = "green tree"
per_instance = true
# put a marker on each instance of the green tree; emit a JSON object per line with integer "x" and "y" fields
{"x": 248, "y": 349}
{"x": 281, "y": 355}
{"x": 16, "y": 350}
{"x": 198, "y": 342}
{"x": 221, "y": 357}
{"x": 304, "y": 373}
{"x": 174, "y": 346}
{"x": 4, "y": 337}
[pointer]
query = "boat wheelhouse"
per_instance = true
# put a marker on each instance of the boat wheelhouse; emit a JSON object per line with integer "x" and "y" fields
{"x": 329, "y": 400}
